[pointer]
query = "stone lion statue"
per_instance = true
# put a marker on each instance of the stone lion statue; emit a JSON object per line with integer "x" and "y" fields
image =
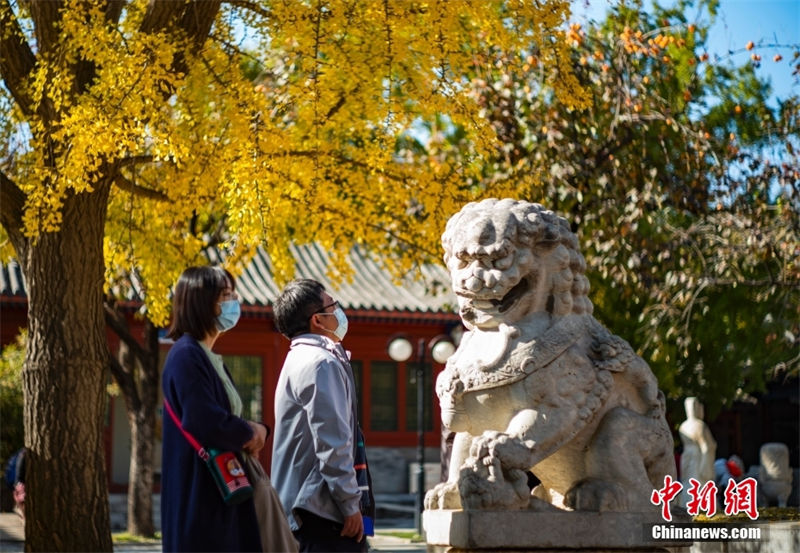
{"x": 537, "y": 383}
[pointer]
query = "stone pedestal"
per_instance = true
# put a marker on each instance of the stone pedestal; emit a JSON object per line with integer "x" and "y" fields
{"x": 521, "y": 531}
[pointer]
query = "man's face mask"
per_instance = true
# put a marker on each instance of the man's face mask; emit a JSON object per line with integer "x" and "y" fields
{"x": 341, "y": 319}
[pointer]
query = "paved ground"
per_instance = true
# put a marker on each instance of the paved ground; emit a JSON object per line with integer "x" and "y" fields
{"x": 12, "y": 532}
{"x": 12, "y": 538}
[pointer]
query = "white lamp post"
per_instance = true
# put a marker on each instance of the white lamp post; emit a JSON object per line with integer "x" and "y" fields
{"x": 400, "y": 349}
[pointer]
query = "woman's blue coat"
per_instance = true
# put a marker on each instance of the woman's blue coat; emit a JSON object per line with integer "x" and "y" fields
{"x": 193, "y": 515}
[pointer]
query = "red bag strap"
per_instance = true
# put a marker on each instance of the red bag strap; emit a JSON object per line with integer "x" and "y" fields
{"x": 200, "y": 449}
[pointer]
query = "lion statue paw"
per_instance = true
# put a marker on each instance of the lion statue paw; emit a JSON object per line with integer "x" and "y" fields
{"x": 486, "y": 483}
{"x": 443, "y": 496}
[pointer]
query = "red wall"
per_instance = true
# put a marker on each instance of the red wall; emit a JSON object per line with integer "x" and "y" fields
{"x": 13, "y": 317}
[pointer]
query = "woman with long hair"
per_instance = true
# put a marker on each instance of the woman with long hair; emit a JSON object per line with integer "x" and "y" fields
{"x": 199, "y": 390}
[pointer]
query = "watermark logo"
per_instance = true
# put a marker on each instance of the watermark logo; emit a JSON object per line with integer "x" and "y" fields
{"x": 703, "y": 532}
{"x": 739, "y": 497}
{"x": 665, "y": 495}
{"x": 702, "y": 499}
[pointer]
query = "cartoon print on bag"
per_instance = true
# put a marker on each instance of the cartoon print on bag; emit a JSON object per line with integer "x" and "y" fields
{"x": 234, "y": 468}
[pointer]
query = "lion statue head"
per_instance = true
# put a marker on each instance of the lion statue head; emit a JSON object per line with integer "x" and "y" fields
{"x": 509, "y": 259}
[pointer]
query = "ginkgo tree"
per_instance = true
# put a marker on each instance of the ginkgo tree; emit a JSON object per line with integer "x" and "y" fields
{"x": 135, "y": 128}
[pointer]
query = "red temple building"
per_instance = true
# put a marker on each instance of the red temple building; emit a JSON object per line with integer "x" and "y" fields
{"x": 378, "y": 308}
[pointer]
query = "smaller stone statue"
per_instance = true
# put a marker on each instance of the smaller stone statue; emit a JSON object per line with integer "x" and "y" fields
{"x": 775, "y": 476}
{"x": 699, "y": 448}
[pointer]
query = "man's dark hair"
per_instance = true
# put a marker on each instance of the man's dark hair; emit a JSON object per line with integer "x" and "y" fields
{"x": 194, "y": 300}
{"x": 297, "y": 303}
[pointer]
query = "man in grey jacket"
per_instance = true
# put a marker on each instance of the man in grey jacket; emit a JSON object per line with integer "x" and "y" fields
{"x": 316, "y": 424}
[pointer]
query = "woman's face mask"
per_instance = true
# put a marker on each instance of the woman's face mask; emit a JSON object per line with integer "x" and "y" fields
{"x": 230, "y": 310}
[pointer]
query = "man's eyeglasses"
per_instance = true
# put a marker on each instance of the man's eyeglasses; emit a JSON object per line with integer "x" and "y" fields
{"x": 324, "y": 307}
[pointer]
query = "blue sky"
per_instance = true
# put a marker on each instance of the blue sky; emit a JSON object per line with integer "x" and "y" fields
{"x": 765, "y": 22}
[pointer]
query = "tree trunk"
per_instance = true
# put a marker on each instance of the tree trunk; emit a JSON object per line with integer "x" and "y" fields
{"x": 140, "y": 485}
{"x": 142, "y": 419}
{"x": 64, "y": 383}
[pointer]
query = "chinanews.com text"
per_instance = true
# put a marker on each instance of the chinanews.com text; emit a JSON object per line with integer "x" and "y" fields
{"x": 702, "y": 532}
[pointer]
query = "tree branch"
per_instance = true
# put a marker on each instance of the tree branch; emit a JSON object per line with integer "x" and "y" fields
{"x": 217, "y": 237}
{"x": 160, "y": 15}
{"x": 134, "y": 160}
{"x": 16, "y": 58}
{"x": 12, "y": 205}
{"x": 193, "y": 18}
{"x": 114, "y": 11}
{"x": 128, "y": 186}
{"x": 611, "y": 147}
{"x": 353, "y": 162}
{"x": 198, "y": 19}
{"x": 124, "y": 380}
{"x": 753, "y": 283}
{"x": 251, "y": 6}
{"x": 336, "y": 107}
{"x": 46, "y": 15}
{"x": 122, "y": 372}
{"x": 116, "y": 321}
